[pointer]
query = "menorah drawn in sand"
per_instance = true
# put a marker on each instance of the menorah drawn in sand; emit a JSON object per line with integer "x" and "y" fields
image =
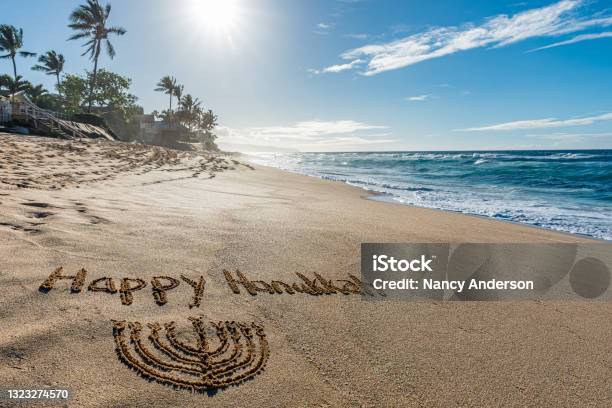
{"x": 238, "y": 354}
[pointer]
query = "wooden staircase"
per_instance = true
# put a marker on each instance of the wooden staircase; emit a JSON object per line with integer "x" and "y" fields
{"x": 42, "y": 119}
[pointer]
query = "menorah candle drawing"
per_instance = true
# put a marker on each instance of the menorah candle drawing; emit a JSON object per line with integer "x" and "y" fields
{"x": 238, "y": 353}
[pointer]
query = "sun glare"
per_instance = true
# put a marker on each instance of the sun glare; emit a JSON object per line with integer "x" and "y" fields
{"x": 216, "y": 15}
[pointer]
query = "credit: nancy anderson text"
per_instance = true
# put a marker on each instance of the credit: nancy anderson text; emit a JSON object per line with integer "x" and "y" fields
{"x": 478, "y": 271}
{"x": 384, "y": 263}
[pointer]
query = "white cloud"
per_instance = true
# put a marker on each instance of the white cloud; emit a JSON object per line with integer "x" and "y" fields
{"x": 570, "y": 136}
{"x": 578, "y": 38}
{"x": 571, "y": 139}
{"x": 323, "y": 28}
{"x": 502, "y": 30}
{"x": 308, "y": 135}
{"x": 419, "y": 98}
{"x": 312, "y": 129}
{"x": 541, "y": 123}
{"x": 337, "y": 68}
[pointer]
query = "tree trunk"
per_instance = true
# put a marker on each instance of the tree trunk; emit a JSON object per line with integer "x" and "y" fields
{"x": 14, "y": 68}
{"x": 57, "y": 74}
{"x": 170, "y": 110}
{"x": 93, "y": 82}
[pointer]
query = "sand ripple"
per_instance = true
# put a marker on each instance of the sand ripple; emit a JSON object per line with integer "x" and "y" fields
{"x": 51, "y": 164}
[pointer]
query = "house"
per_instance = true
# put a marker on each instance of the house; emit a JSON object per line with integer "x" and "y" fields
{"x": 161, "y": 133}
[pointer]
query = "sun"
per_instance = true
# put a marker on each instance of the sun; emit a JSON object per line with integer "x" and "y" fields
{"x": 216, "y": 15}
{"x": 219, "y": 26}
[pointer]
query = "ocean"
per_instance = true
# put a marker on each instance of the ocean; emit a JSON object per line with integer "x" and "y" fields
{"x": 568, "y": 191}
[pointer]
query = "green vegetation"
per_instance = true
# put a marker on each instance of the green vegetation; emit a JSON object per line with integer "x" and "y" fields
{"x": 35, "y": 92}
{"x": 111, "y": 100}
{"x": 11, "y": 42}
{"x": 168, "y": 86}
{"x": 111, "y": 92}
{"x": 51, "y": 63}
{"x": 101, "y": 97}
{"x": 74, "y": 91}
{"x": 199, "y": 123}
{"x": 13, "y": 85}
{"x": 188, "y": 110}
{"x": 178, "y": 92}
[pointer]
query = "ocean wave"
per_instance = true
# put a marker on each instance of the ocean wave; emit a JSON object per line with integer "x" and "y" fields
{"x": 568, "y": 191}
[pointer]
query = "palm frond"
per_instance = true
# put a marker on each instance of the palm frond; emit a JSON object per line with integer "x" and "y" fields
{"x": 167, "y": 85}
{"x": 81, "y": 15}
{"x": 91, "y": 49}
{"x": 110, "y": 49}
{"x": 89, "y": 21}
{"x": 178, "y": 91}
{"x": 50, "y": 62}
{"x": 81, "y": 26}
{"x": 117, "y": 30}
{"x": 78, "y": 36}
{"x": 40, "y": 68}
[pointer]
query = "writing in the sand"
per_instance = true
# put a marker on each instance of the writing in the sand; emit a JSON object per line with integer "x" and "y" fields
{"x": 237, "y": 282}
{"x": 315, "y": 286}
{"x": 160, "y": 285}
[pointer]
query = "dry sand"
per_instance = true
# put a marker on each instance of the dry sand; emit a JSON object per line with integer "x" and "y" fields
{"x": 150, "y": 212}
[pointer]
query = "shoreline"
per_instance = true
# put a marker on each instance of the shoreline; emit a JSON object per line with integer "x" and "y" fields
{"x": 571, "y": 234}
{"x": 381, "y": 197}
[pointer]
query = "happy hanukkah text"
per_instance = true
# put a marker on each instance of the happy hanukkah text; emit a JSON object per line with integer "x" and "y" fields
{"x": 237, "y": 282}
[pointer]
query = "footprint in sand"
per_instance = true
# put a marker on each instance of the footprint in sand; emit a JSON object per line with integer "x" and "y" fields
{"x": 38, "y": 205}
{"x": 93, "y": 219}
{"x": 40, "y": 214}
{"x": 17, "y": 227}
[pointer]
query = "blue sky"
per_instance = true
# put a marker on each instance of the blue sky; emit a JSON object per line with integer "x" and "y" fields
{"x": 361, "y": 75}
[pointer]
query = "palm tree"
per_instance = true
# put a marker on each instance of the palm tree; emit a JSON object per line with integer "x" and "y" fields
{"x": 189, "y": 103}
{"x": 207, "y": 120}
{"x": 51, "y": 63}
{"x": 35, "y": 92}
{"x": 14, "y": 85}
{"x": 11, "y": 40}
{"x": 190, "y": 109}
{"x": 90, "y": 20}
{"x": 4, "y": 82}
{"x": 178, "y": 92}
{"x": 167, "y": 85}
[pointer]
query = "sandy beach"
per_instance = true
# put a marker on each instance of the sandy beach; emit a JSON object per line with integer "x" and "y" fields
{"x": 129, "y": 211}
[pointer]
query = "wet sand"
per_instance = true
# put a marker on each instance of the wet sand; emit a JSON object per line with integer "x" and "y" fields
{"x": 155, "y": 212}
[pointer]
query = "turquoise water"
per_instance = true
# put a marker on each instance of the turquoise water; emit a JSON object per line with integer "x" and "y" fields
{"x": 567, "y": 191}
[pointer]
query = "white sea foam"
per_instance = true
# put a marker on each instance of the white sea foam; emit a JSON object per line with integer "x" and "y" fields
{"x": 511, "y": 186}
